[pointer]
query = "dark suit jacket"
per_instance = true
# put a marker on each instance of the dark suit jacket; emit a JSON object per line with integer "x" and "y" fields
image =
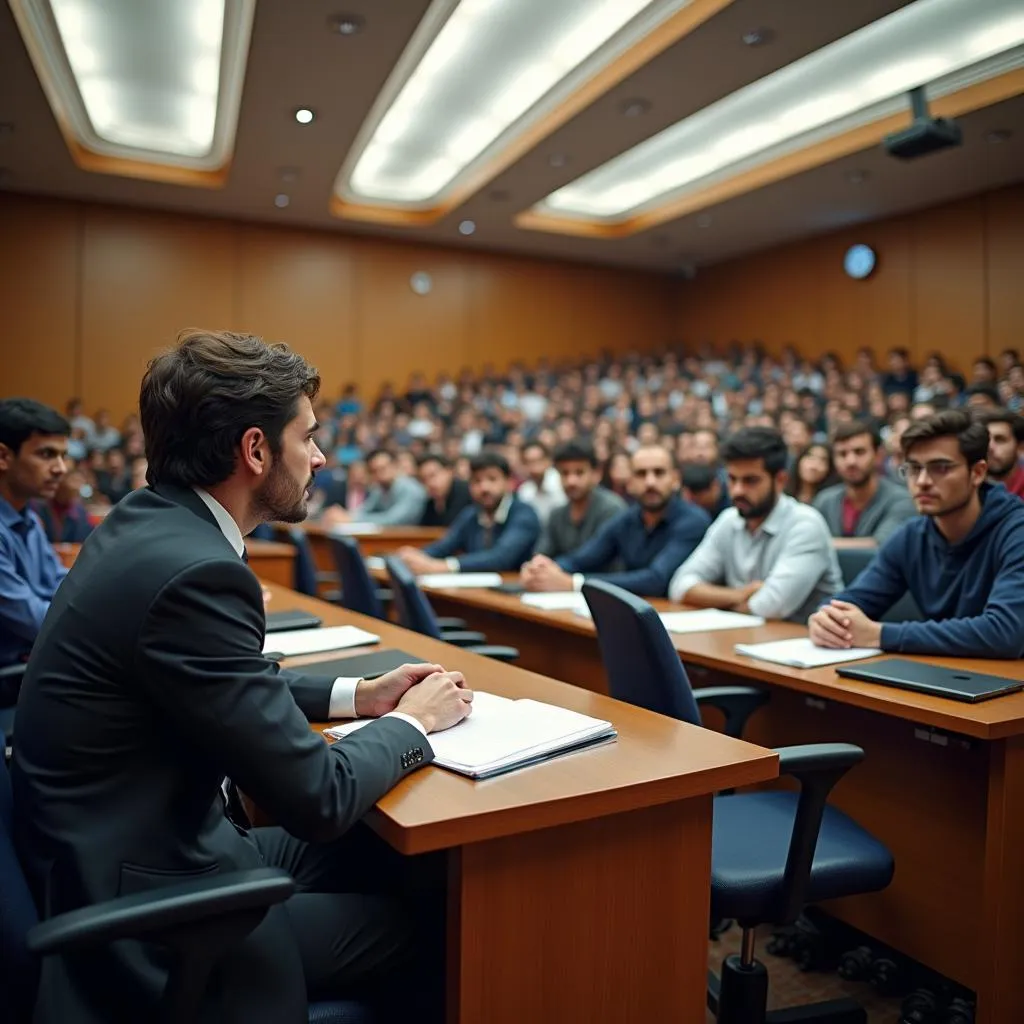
{"x": 511, "y": 543}
{"x": 146, "y": 687}
{"x": 458, "y": 499}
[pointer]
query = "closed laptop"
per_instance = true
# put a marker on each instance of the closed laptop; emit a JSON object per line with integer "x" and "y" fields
{"x": 961, "y": 684}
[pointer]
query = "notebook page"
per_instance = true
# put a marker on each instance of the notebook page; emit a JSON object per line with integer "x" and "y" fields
{"x": 556, "y": 600}
{"x": 449, "y": 580}
{"x": 708, "y": 619}
{"x": 801, "y": 653}
{"x": 312, "y": 641}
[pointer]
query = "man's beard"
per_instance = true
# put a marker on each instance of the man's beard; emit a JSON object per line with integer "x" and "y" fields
{"x": 280, "y": 499}
{"x": 760, "y": 510}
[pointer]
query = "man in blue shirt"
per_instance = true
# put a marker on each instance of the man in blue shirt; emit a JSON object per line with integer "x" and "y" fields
{"x": 962, "y": 559}
{"x": 33, "y": 446}
{"x": 497, "y": 533}
{"x": 652, "y": 539}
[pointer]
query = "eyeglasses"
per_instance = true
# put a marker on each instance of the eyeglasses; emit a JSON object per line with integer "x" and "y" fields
{"x": 937, "y": 470}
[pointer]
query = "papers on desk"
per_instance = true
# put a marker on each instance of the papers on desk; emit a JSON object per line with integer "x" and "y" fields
{"x": 557, "y": 601}
{"x": 355, "y": 529}
{"x": 460, "y": 580}
{"x": 501, "y": 735}
{"x": 707, "y": 620}
{"x": 375, "y": 562}
{"x": 313, "y": 641}
{"x": 801, "y": 653}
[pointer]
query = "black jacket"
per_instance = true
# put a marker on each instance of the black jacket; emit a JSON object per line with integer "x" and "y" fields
{"x": 458, "y": 499}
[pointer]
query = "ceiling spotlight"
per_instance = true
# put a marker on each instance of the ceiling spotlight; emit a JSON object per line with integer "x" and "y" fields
{"x": 998, "y": 136}
{"x": 703, "y": 220}
{"x": 467, "y": 227}
{"x": 304, "y": 115}
{"x": 635, "y": 107}
{"x": 857, "y": 177}
{"x": 346, "y": 24}
{"x": 757, "y": 37}
{"x": 281, "y": 200}
{"x": 558, "y": 160}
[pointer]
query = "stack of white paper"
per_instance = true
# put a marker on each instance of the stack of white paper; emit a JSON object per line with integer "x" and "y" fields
{"x": 707, "y": 620}
{"x": 557, "y": 600}
{"x": 313, "y": 641}
{"x": 460, "y": 580}
{"x": 356, "y": 529}
{"x": 375, "y": 562}
{"x": 801, "y": 653}
{"x": 503, "y": 734}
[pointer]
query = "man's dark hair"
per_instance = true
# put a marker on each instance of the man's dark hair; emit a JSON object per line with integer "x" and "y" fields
{"x": 990, "y": 391}
{"x": 698, "y": 478}
{"x": 377, "y": 452}
{"x": 1014, "y": 419}
{"x": 489, "y": 460}
{"x": 535, "y": 444}
{"x": 20, "y": 418}
{"x": 198, "y": 399}
{"x": 985, "y": 361}
{"x": 442, "y": 460}
{"x": 845, "y": 431}
{"x": 971, "y": 434}
{"x": 899, "y": 350}
{"x": 575, "y": 451}
{"x": 764, "y": 443}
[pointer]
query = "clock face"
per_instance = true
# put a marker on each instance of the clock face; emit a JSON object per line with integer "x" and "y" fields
{"x": 859, "y": 261}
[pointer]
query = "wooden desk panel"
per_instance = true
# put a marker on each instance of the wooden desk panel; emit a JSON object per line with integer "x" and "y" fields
{"x": 390, "y": 539}
{"x": 272, "y": 561}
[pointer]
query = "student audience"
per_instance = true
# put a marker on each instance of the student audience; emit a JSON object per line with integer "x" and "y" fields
{"x": 962, "y": 559}
{"x": 702, "y": 484}
{"x": 1005, "y": 445}
{"x": 812, "y": 472}
{"x": 447, "y": 495}
{"x": 768, "y": 555}
{"x": 394, "y": 499}
{"x": 542, "y": 488}
{"x": 64, "y": 516}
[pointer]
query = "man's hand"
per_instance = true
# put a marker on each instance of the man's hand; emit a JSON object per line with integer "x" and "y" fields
{"x": 376, "y": 697}
{"x": 335, "y": 515}
{"x": 439, "y": 701}
{"x": 420, "y": 563}
{"x": 267, "y": 595}
{"x": 745, "y": 594}
{"x": 841, "y": 625}
{"x": 541, "y": 573}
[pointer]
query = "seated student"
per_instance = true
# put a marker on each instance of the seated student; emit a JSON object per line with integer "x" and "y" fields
{"x": 64, "y": 517}
{"x": 447, "y": 495}
{"x": 393, "y": 500}
{"x": 865, "y": 504}
{"x": 33, "y": 446}
{"x": 769, "y": 555}
{"x": 962, "y": 559}
{"x": 589, "y": 505}
{"x": 494, "y": 534}
{"x": 812, "y": 473}
{"x": 650, "y": 538}
{"x": 542, "y": 487}
{"x": 1005, "y": 442}
{"x": 702, "y": 485}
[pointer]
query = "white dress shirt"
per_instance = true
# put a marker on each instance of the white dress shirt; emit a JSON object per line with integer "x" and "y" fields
{"x": 343, "y": 693}
{"x": 545, "y": 498}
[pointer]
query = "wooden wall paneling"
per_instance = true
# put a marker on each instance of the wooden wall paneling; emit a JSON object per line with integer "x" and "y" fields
{"x": 1004, "y": 268}
{"x": 296, "y": 286}
{"x": 39, "y": 295}
{"x": 145, "y": 277}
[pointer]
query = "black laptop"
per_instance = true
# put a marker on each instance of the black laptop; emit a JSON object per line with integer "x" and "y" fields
{"x": 291, "y": 618}
{"x": 954, "y": 683}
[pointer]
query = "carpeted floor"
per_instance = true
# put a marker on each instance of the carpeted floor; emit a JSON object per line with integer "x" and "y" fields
{"x": 789, "y": 986}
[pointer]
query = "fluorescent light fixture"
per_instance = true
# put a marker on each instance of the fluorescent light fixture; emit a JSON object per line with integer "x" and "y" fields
{"x": 477, "y": 74}
{"x": 304, "y": 115}
{"x": 151, "y": 81}
{"x": 944, "y": 44}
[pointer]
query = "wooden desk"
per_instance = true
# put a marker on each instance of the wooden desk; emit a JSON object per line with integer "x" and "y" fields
{"x": 272, "y": 561}
{"x": 578, "y": 889}
{"x": 942, "y": 784}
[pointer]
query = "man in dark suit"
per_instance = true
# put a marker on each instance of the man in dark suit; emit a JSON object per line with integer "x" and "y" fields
{"x": 447, "y": 494}
{"x": 147, "y": 686}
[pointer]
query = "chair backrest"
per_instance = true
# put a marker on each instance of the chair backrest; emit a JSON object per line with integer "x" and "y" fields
{"x": 414, "y": 610}
{"x": 305, "y": 563}
{"x": 853, "y": 561}
{"x": 639, "y": 657}
{"x": 18, "y": 967}
{"x": 358, "y": 589}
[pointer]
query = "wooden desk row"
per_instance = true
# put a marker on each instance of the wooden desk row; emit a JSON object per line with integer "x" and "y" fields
{"x": 578, "y": 889}
{"x": 942, "y": 783}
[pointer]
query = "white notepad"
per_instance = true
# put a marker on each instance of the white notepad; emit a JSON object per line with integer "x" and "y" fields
{"x": 707, "y": 620}
{"x": 801, "y": 653}
{"x": 375, "y": 562}
{"x": 356, "y": 529}
{"x": 503, "y": 734}
{"x": 313, "y": 641}
{"x": 557, "y": 601}
{"x": 459, "y": 580}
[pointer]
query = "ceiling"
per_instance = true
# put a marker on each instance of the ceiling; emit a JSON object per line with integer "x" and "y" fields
{"x": 295, "y": 60}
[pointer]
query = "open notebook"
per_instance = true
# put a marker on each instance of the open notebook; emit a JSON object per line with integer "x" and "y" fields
{"x": 801, "y": 653}
{"x": 460, "y": 580}
{"x": 501, "y": 735}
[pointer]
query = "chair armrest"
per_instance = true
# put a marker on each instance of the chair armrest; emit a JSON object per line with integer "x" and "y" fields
{"x": 385, "y": 595}
{"x": 737, "y": 703}
{"x": 463, "y": 637}
{"x": 495, "y": 651}
{"x": 451, "y": 625}
{"x": 13, "y": 671}
{"x": 817, "y": 767}
{"x": 163, "y": 909}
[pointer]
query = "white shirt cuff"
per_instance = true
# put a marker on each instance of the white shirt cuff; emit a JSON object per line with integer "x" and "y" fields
{"x": 680, "y": 586}
{"x": 343, "y": 698}
{"x": 406, "y": 718}
{"x": 453, "y": 565}
{"x": 577, "y": 581}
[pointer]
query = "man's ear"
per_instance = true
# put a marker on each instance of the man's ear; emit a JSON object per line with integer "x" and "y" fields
{"x": 6, "y": 457}
{"x": 978, "y": 472}
{"x": 255, "y": 451}
{"x": 781, "y": 479}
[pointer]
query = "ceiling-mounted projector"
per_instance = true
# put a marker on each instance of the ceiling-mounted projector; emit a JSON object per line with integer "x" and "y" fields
{"x": 925, "y": 135}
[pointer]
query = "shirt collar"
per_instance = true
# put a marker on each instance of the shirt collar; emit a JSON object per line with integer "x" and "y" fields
{"x": 775, "y": 520}
{"x": 500, "y": 513}
{"x": 10, "y": 516}
{"x": 225, "y": 521}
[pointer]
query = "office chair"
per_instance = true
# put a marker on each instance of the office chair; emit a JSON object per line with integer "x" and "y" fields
{"x": 853, "y": 561}
{"x": 359, "y": 590}
{"x": 773, "y": 852}
{"x": 415, "y": 613}
{"x": 305, "y": 577}
{"x": 197, "y": 921}
{"x": 10, "y": 685}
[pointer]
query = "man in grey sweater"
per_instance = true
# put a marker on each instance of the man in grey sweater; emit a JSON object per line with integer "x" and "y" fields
{"x": 865, "y": 504}
{"x": 589, "y": 506}
{"x": 393, "y": 500}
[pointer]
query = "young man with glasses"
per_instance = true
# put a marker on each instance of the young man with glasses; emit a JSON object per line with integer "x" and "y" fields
{"x": 962, "y": 559}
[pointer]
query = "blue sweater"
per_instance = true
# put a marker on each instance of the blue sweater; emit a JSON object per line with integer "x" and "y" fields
{"x": 512, "y": 543}
{"x": 971, "y": 593}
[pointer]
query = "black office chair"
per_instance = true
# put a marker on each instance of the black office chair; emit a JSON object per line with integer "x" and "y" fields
{"x": 415, "y": 613}
{"x": 853, "y": 561}
{"x": 197, "y": 921}
{"x": 305, "y": 577}
{"x": 772, "y": 852}
{"x": 359, "y": 590}
{"x": 10, "y": 685}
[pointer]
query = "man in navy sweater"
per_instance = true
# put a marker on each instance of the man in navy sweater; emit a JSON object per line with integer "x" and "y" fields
{"x": 497, "y": 533}
{"x": 962, "y": 559}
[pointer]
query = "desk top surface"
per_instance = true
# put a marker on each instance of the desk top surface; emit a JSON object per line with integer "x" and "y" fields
{"x": 655, "y": 759}
{"x": 269, "y": 549}
{"x": 412, "y": 535}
